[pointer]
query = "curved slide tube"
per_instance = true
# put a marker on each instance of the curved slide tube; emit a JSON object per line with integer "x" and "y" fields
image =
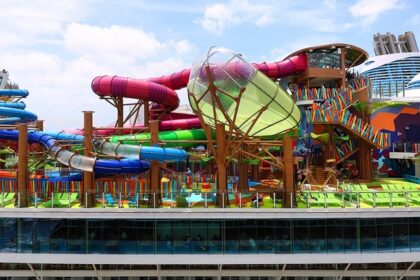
{"x": 125, "y": 151}
{"x": 13, "y": 112}
{"x": 144, "y": 138}
{"x": 166, "y": 125}
{"x": 161, "y": 90}
{"x": 99, "y": 166}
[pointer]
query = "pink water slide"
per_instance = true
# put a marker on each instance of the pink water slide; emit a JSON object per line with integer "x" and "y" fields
{"x": 161, "y": 90}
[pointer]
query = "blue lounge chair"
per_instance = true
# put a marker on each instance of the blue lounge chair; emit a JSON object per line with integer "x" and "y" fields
{"x": 134, "y": 202}
{"x": 109, "y": 200}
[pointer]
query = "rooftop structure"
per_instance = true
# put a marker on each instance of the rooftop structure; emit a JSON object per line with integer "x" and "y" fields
{"x": 384, "y": 44}
{"x": 389, "y": 75}
{"x": 327, "y": 64}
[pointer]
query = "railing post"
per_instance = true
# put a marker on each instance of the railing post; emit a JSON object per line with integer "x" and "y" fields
{"x": 390, "y": 199}
{"x": 325, "y": 199}
{"x": 154, "y": 200}
{"x": 374, "y": 200}
{"x": 343, "y": 201}
{"x": 274, "y": 200}
{"x": 358, "y": 199}
{"x": 258, "y": 200}
{"x": 36, "y": 200}
{"x": 308, "y": 197}
{"x": 137, "y": 200}
{"x": 205, "y": 200}
{"x": 120, "y": 201}
{"x": 18, "y": 200}
{"x": 240, "y": 200}
{"x": 103, "y": 200}
{"x": 86, "y": 200}
{"x": 189, "y": 200}
{"x": 291, "y": 200}
{"x": 223, "y": 200}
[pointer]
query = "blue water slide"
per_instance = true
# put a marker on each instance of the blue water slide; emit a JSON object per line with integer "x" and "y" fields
{"x": 13, "y": 116}
{"x": 14, "y": 92}
{"x": 125, "y": 150}
{"x": 15, "y": 105}
{"x": 13, "y": 112}
{"x": 99, "y": 166}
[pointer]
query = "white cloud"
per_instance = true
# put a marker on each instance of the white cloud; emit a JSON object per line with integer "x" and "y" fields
{"x": 221, "y": 16}
{"x": 368, "y": 11}
{"x": 183, "y": 47}
{"x": 110, "y": 41}
{"x": 27, "y": 20}
{"x": 218, "y": 17}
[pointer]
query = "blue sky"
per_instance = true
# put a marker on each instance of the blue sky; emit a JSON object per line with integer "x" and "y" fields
{"x": 55, "y": 48}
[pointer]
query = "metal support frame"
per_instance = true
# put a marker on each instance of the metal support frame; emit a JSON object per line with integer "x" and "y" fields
{"x": 97, "y": 272}
{"x": 344, "y": 271}
{"x": 408, "y": 269}
{"x": 34, "y": 272}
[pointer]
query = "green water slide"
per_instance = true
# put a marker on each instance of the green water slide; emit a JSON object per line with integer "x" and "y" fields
{"x": 225, "y": 89}
{"x": 170, "y": 136}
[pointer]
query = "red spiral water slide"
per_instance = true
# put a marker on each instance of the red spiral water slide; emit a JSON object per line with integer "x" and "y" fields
{"x": 161, "y": 90}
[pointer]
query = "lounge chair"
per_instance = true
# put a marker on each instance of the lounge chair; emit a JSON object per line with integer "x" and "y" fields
{"x": 413, "y": 198}
{"x": 332, "y": 200}
{"x": 388, "y": 196}
{"x": 134, "y": 202}
{"x": 54, "y": 202}
{"x": 109, "y": 200}
{"x": 318, "y": 199}
{"x": 369, "y": 197}
{"x": 308, "y": 199}
{"x": 68, "y": 198}
{"x": 8, "y": 198}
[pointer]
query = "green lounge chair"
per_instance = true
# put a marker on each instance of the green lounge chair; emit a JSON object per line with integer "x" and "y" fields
{"x": 55, "y": 201}
{"x": 387, "y": 196}
{"x": 8, "y": 198}
{"x": 332, "y": 200}
{"x": 312, "y": 199}
{"x": 318, "y": 199}
{"x": 351, "y": 192}
{"x": 67, "y": 199}
{"x": 385, "y": 187}
{"x": 413, "y": 198}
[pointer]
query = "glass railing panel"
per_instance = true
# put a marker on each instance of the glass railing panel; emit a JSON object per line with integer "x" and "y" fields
{"x": 308, "y": 236}
{"x": 372, "y": 198}
{"x": 164, "y": 246}
{"x": 267, "y": 245}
